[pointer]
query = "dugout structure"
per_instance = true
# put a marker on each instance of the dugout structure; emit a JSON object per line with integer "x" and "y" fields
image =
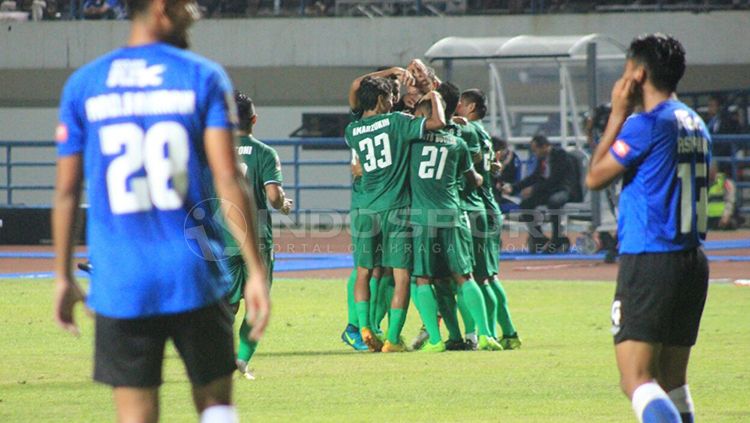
{"x": 530, "y": 53}
{"x": 570, "y": 57}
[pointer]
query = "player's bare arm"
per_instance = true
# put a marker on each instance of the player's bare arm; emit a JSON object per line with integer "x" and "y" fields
{"x": 65, "y": 224}
{"x": 277, "y": 198}
{"x": 231, "y": 187}
{"x": 403, "y": 75}
{"x": 604, "y": 168}
{"x": 437, "y": 118}
{"x": 473, "y": 178}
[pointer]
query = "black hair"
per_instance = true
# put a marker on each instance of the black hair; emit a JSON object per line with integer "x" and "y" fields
{"x": 477, "y": 97}
{"x": 450, "y": 93}
{"x": 370, "y": 89}
{"x": 245, "y": 111}
{"x": 499, "y": 144}
{"x": 664, "y": 59}
{"x": 137, "y": 7}
{"x": 426, "y": 105}
{"x": 540, "y": 140}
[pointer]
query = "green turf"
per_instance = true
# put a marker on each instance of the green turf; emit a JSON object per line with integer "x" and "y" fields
{"x": 565, "y": 371}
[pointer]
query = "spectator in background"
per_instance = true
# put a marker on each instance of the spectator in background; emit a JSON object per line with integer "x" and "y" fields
{"x": 510, "y": 173}
{"x": 721, "y": 121}
{"x": 722, "y": 196}
{"x": 552, "y": 184}
{"x": 103, "y": 9}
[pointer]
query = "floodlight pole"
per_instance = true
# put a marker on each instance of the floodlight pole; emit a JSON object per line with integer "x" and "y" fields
{"x": 596, "y": 211}
{"x": 497, "y": 97}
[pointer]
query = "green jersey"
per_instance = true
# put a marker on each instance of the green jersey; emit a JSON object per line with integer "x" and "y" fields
{"x": 485, "y": 142}
{"x": 438, "y": 164}
{"x": 261, "y": 167}
{"x": 470, "y": 197}
{"x": 381, "y": 143}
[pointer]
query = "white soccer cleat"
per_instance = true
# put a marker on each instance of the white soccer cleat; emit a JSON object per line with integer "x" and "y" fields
{"x": 244, "y": 371}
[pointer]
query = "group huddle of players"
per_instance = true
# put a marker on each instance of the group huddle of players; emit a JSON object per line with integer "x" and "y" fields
{"x": 425, "y": 223}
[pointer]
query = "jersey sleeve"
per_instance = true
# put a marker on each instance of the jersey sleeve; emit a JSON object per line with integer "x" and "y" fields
{"x": 412, "y": 127}
{"x": 472, "y": 139}
{"x": 633, "y": 141}
{"x": 70, "y": 133}
{"x": 221, "y": 111}
{"x": 271, "y": 172}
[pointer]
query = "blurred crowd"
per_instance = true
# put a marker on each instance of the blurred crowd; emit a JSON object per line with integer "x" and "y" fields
{"x": 115, "y": 9}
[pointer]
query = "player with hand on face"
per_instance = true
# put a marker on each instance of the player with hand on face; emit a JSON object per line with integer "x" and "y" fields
{"x": 150, "y": 126}
{"x": 661, "y": 147}
{"x": 262, "y": 169}
{"x": 381, "y": 230}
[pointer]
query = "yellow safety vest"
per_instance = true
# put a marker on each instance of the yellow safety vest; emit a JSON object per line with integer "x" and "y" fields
{"x": 716, "y": 196}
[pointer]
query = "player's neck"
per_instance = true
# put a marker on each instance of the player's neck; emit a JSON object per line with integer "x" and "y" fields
{"x": 653, "y": 97}
{"x": 368, "y": 113}
{"x": 142, "y": 32}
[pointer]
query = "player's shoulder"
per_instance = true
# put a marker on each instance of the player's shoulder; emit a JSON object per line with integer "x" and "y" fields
{"x": 94, "y": 69}
{"x": 262, "y": 146}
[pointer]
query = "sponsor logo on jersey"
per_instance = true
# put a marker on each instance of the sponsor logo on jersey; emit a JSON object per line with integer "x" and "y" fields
{"x": 61, "y": 133}
{"x": 134, "y": 73}
{"x": 620, "y": 148}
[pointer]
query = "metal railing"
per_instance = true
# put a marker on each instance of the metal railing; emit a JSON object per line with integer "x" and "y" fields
{"x": 295, "y": 165}
{"x": 738, "y": 159}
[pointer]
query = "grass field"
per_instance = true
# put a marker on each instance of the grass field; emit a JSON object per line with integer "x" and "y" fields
{"x": 564, "y": 373}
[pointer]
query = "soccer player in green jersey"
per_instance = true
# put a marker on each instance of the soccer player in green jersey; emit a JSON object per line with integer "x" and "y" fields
{"x": 381, "y": 231}
{"x": 472, "y": 106}
{"x": 442, "y": 243}
{"x": 262, "y": 169}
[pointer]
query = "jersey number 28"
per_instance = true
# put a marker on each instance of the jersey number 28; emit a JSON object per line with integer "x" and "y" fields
{"x": 163, "y": 151}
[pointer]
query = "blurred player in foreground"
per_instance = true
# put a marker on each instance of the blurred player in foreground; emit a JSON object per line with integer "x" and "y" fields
{"x": 262, "y": 169}
{"x": 663, "y": 151}
{"x": 150, "y": 125}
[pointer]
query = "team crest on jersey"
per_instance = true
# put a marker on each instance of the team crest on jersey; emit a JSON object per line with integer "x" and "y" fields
{"x": 61, "y": 133}
{"x": 620, "y": 148}
{"x": 134, "y": 73}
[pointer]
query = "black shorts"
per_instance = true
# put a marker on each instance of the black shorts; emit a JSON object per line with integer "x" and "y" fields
{"x": 660, "y": 297}
{"x": 130, "y": 352}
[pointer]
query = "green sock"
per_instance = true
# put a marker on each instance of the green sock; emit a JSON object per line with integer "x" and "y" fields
{"x": 247, "y": 347}
{"x": 384, "y": 303}
{"x": 503, "y": 311}
{"x": 395, "y": 324}
{"x": 389, "y": 296}
{"x": 363, "y": 314}
{"x": 475, "y": 303}
{"x": 351, "y": 310}
{"x": 470, "y": 325}
{"x": 490, "y": 301}
{"x": 427, "y": 306}
{"x": 373, "y": 303}
{"x": 447, "y": 305}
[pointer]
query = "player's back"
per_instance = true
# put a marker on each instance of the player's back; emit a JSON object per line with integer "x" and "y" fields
{"x": 485, "y": 144}
{"x": 381, "y": 143}
{"x": 664, "y": 197}
{"x": 261, "y": 166}
{"x": 138, "y": 115}
{"x": 471, "y": 200}
{"x": 438, "y": 163}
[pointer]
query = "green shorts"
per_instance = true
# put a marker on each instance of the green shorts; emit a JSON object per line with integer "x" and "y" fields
{"x": 494, "y": 243}
{"x": 238, "y": 273}
{"x": 482, "y": 246}
{"x": 382, "y": 239}
{"x": 441, "y": 252}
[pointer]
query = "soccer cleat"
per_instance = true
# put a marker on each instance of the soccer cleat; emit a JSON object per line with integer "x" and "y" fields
{"x": 420, "y": 339}
{"x": 439, "y": 347}
{"x": 394, "y": 348}
{"x": 487, "y": 343}
{"x": 373, "y": 343}
{"x": 244, "y": 370}
{"x": 512, "y": 342}
{"x": 86, "y": 267}
{"x": 471, "y": 341}
{"x": 352, "y": 338}
{"x": 452, "y": 345}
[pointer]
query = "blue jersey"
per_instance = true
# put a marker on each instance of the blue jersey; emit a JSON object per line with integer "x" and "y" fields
{"x": 138, "y": 116}
{"x": 664, "y": 197}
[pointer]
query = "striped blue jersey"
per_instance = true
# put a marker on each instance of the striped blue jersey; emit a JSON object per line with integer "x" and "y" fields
{"x": 664, "y": 198}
